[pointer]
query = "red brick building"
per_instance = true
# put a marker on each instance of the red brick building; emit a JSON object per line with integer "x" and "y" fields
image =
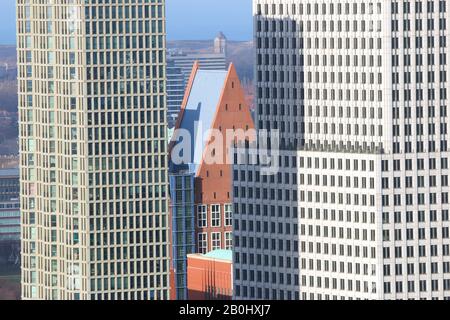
{"x": 210, "y": 276}
{"x": 213, "y": 183}
{"x": 217, "y": 100}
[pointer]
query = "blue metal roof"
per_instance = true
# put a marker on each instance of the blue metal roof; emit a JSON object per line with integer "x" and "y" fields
{"x": 201, "y": 108}
{"x": 220, "y": 254}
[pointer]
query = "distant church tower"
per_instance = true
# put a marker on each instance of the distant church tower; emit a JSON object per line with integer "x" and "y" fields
{"x": 220, "y": 44}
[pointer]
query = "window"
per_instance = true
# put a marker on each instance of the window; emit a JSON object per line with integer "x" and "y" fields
{"x": 202, "y": 243}
{"x": 216, "y": 241}
{"x": 228, "y": 215}
{"x": 228, "y": 240}
{"x": 202, "y": 221}
{"x": 215, "y": 215}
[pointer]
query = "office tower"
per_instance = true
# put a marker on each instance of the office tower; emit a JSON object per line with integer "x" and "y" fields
{"x": 175, "y": 92}
{"x": 9, "y": 217}
{"x": 200, "y": 168}
{"x": 359, "y": 206}
{"x": 94, "y": 172}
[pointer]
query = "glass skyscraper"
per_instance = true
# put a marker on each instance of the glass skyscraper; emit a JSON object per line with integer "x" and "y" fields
{"x": 93, "y": 149}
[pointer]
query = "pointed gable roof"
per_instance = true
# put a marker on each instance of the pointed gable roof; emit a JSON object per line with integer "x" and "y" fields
{"x": 199, "y": 113}
{"x": 199, "y": 108}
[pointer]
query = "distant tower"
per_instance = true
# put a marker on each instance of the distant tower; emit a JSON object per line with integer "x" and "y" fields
{"x": 220, "y": 44}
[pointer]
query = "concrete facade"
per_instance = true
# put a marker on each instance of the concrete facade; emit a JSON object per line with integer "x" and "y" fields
{"x": 359, "y": 206}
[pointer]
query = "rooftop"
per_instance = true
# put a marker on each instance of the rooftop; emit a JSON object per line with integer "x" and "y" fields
{"x": 199, "y": 113}
{"x": 220, "y": 254}
{"x": 220, "y": 35}
{"x": 180, "y": 55}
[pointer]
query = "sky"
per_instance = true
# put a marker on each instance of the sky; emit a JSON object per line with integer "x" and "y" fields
{"x": 186, "y": 19}
{"x": 8, "y": 22}
{"x": 203, "y": 19}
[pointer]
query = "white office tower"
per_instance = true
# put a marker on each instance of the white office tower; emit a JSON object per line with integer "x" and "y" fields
{"x": 360, "y": 206}
{"x": 93, "y": 149}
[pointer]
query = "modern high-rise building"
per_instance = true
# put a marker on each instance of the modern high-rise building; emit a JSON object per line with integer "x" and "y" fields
{"x": 359, "y": 206}
{"x": 94, "y": 175}
{"x": 9, "y": 217}
{"x": 176, "y": 86}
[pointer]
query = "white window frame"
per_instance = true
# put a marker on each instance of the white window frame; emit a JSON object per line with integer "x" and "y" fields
{"x": 202, "y": 216}
{"x": 214, "y": 217}
{"x": 202, "y": 242}
{"x": 228, "y": 240}
{"x": 216, "y": 244}
{"x": 228, "y": 208}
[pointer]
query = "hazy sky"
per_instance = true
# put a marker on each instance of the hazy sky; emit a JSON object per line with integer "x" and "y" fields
{"x": 202, "y": 19}
{"x": 186, "y": 19}
{"x": 8, "y": 22}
